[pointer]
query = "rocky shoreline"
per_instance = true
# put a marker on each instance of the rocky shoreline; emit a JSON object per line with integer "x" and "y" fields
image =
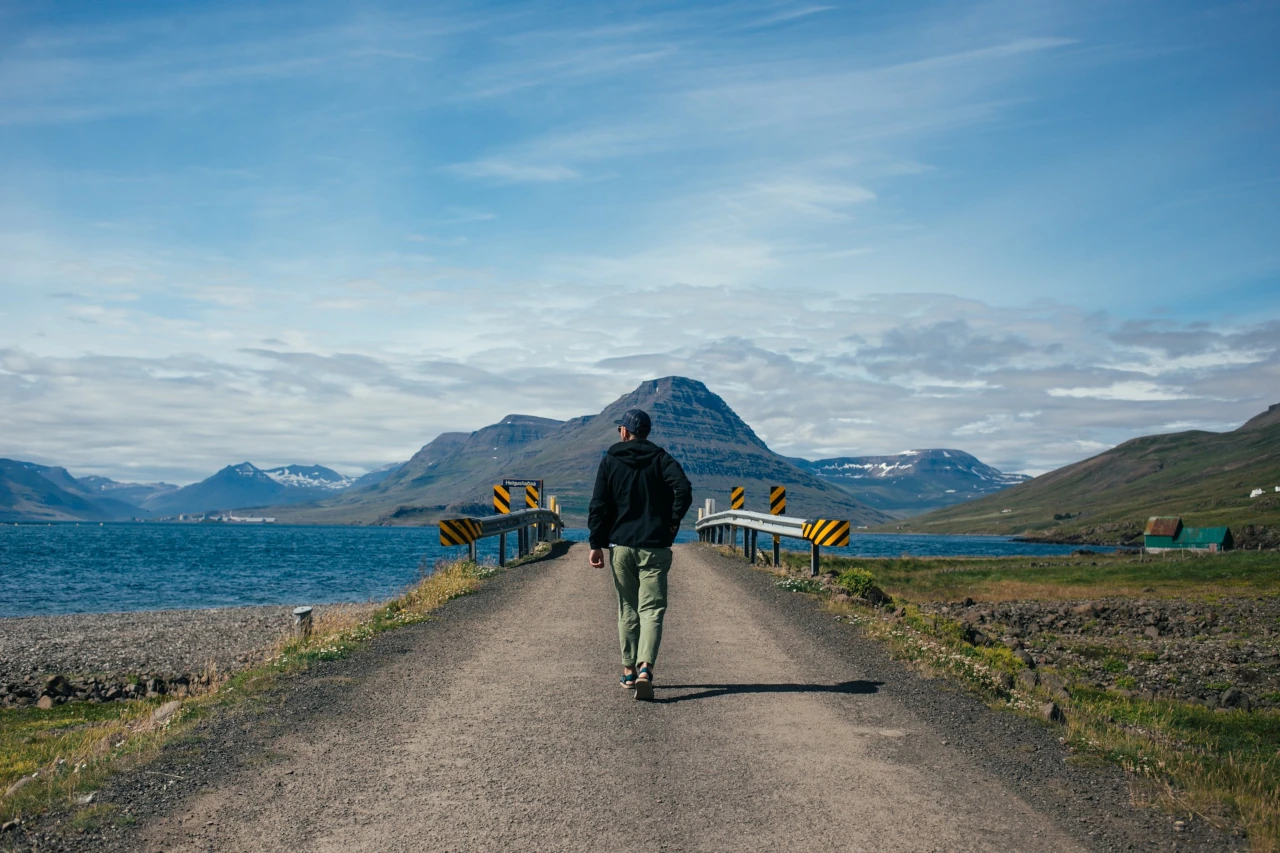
{"x": 103, "y": 657}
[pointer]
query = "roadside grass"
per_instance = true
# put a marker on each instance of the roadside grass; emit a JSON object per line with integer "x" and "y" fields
{"x": 1232, "y": 573}
{"x": 1219, "y": 766}
{"x": 70, "y": 750}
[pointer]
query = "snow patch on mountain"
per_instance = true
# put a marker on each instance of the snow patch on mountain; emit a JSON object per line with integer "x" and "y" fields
{"x": 309, "y": 477}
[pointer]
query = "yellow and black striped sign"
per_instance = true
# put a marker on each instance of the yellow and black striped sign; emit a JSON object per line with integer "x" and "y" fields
{"x": 531, "y": 497}
{"x": 777, "y": 500}
{"x": 459, "y": 531}
{"x": 737, "y": 497}
{"x": 501, "y": 500}
{"x": 823, "y": 531}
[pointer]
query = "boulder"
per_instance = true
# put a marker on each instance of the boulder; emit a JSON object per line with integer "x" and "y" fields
{"x": 1051, "y": 712}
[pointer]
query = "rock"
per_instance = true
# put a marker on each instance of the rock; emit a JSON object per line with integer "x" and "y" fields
{"x": 1088, "y": 609}
{"x": 59, "y": 685}
{"x": 1234, "y": 698}
{"x": 1051, "y": 712}
{"x": 19, "y": 785}
{"x": 1026, "y": 658}
{"x": 842, "y": 597}
{"x": 1005, "y": 679}
{"x": 1027, "y": 679}
{"x": 1013, "y": 644}
{"x": 1152, "y": 631}
{"x": 85, "y": 799}
{"x": 165, "y": 711}
{"x": 45, "y": 703}
{"x": 12, "y": 824}
{"x": 877, "y": 596}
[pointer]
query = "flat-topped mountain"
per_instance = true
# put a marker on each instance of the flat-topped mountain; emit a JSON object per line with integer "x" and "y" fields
{"x": 1206, "y": 478}
{"x": 913, "y": 481}
{"x": 456, "y": 472}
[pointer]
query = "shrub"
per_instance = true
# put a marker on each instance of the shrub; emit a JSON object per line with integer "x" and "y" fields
{"x": 856, "y": 582}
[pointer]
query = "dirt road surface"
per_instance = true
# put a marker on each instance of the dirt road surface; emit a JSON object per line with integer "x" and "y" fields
{"x": 500, "y": 726}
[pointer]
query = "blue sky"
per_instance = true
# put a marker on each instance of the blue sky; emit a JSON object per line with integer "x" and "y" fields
{"x": 329, "y": 231}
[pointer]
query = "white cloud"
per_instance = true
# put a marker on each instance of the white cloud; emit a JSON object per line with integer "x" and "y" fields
{"x": 1133, "y": 390}
{"x": 505, "y": 171}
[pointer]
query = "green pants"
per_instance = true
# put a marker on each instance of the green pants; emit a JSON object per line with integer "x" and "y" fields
{"x": 640, "y": 577}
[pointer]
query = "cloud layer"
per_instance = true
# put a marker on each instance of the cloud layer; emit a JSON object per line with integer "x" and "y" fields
{"x": 814, "y": 373}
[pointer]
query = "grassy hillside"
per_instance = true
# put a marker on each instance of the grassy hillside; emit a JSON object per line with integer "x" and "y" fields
{"x": 1204, "y": 477}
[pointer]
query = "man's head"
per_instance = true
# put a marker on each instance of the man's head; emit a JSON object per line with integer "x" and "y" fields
{"x": 634, "y": 423}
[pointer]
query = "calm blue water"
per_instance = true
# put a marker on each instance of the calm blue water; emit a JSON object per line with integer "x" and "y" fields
{"x": 65, "y": 568}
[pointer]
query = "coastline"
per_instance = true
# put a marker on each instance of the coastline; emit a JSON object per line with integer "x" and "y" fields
{"x": 107, "y": 656}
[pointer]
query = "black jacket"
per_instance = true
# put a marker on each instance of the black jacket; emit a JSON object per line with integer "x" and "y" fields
{"x": 640, "y": 497}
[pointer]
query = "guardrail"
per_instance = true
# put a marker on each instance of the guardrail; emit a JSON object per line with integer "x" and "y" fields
{"x": 530, "y": 526}
{"x": 721, "y": 528}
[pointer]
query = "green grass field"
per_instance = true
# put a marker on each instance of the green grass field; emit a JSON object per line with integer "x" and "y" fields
{"x": 1178, "y": 575}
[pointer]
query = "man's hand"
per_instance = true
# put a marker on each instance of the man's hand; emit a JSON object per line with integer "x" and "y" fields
{"x": 596, "y": 558}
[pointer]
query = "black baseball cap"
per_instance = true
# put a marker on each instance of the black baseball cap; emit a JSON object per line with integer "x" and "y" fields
{"x": 636, "y": 421}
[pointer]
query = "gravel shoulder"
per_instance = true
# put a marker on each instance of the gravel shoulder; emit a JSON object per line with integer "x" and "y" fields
{"x": 499, "y": 725}
{"x": 166, "y": 647}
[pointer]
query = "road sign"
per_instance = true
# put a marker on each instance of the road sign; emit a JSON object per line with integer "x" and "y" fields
{"x": 532, "y": 494}
{"x": 777, "y": 500}
{"x": 829, "y": 532}
{"x": 501, "y": 500}
{"x": 737, "y": 498}
{"x": 459, "y": 531}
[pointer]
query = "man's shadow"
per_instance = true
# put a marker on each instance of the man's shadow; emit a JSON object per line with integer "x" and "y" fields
{"x": 707, "y": 691}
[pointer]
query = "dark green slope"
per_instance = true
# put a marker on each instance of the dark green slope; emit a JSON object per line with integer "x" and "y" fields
{"x": 1204, "y": 477}
{"x": 27, "y": 495}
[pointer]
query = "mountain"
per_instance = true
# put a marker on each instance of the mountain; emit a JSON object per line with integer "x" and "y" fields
{"x": 913, "y": 481}
{"x": 456, "y": 472}
{"x": 27, "y": 495}
{"x": 376, "y": 476}
{"x": 106, "y": 506}
{"x": 246, "y": 485}
{"x": 134, "y": 494}
{"x": 1204, "y": 477}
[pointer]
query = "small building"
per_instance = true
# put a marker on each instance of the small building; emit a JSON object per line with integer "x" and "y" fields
{"x": 1168, "y": 534}
{"x": 1256, "y": 493}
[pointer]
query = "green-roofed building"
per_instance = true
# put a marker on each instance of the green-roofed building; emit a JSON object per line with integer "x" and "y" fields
{"x": 1168, "y": 534}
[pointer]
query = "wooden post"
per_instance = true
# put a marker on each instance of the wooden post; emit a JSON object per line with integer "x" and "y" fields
{"x": 814, "y": 557}
{"x": 302, "y": 622}
{"x": 502, "y": 549}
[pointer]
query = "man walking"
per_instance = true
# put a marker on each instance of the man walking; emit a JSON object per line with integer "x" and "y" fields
{"x": 641, "y": 495}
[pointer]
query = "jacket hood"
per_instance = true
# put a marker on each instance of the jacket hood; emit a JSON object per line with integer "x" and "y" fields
{"x": 637, "y": 453}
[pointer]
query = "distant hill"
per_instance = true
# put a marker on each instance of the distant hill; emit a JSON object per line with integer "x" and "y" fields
{"x": 913, "y": 481}
{"x": 1204, "y": 477}
{"x": 27, "y": 495}
{"x": 90, "y": 501}
{"x": 245, "y": 485}
{"x": 455, "y": 473}
{"x": 134, "y": 494}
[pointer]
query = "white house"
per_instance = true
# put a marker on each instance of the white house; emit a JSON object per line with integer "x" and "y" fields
{"x": 1255, "y": 493}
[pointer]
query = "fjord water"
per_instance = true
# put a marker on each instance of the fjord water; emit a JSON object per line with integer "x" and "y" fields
{"x": 68, "y": 568}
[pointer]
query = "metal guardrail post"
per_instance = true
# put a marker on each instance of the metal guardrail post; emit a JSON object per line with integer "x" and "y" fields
{"x": 502, "y": 549}
{"x": 814, "y": 558}
{"x": 777, "y": 550}
{"x": 471, "y": 552}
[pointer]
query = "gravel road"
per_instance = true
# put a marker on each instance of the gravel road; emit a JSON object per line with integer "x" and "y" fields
{"x": 500, "y": 726}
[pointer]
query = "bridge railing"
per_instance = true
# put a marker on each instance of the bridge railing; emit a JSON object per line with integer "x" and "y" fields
{"x": 721, "y": 528}
{"x": 530, "y": 526}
